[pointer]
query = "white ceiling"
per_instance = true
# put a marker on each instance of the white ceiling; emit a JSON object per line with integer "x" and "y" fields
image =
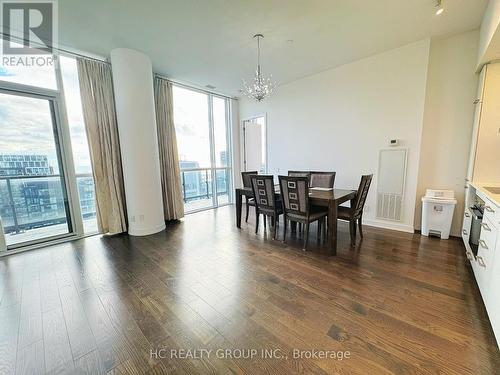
{"x": 209, "y": 42}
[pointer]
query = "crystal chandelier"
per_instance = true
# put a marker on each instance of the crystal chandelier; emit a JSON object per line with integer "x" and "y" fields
{"x": 261, "y": 87}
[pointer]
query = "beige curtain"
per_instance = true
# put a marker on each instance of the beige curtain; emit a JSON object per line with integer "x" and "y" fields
{"x": 173, "y": 205}
{"x": 98, "y": 105}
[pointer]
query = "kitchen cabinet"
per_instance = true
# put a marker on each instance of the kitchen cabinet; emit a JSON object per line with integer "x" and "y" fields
{"x": 493, "y": 298}
{"x": 483, "y": 172}
{"x": 485, "y": 145}
{"x": 485, "y": 258}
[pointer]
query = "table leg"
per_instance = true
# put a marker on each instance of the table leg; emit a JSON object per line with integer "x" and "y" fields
{"x": 294, "y": 226}
{"x": 239, "y": 203}
{"x": 332, "y": 226}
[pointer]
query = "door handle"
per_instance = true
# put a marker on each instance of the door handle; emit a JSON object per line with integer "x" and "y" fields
{"x": 481, "y": 262}
{"x": 483, "y": 244}
{"x": 486, "y": 227}
{"x": 469, "y": 255}
{"x": 467, "y": 214}
{"x": 476, "y": 101}
{"x": 464, "y": 232}
{"x": 489, "y": 209}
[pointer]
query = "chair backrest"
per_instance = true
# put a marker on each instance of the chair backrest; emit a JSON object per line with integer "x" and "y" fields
{"x": 247, "y": 178}
{"x": 263, "y": 192}
{"x": 299, "y": 174}
{"x": 364, "y": 186}
{"x": 295, "y": 195}
{"x": 322, "y": 179}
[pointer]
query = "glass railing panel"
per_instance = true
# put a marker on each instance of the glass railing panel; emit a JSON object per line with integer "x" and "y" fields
{"x": 197, "y": 189}
{"x": 86, "y": 193}
{"x": 223, "y": 185}
{"x": 32, "y": 208}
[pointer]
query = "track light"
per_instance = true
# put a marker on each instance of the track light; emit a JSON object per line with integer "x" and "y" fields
{"x": 439, "y": 7}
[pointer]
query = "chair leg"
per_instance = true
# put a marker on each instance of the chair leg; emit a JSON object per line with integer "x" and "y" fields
{"x": 320, "y": 224}
{"x": 274, "y": 227}
{"x": 360, "y": 227}
{"x": 352, "y": 232}
{"x": 246, "y": 217}
{"x": 257, "y": 215}
{"x": 306, "y": 236}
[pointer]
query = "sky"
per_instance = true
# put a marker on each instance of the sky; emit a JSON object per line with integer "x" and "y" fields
{"x": 26, "y": 124}
{"x": 192, "y": 126}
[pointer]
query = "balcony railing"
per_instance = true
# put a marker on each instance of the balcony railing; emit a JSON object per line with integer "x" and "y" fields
{"x": 198, "y": 185}
{"x": 31, "y": 202}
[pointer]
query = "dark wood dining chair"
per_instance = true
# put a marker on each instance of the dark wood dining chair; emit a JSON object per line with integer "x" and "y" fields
{"x": 300, "y": 174}
{"x": 355, "y": 214}
{"x": 322, "y": 180}
{"x": 296, "y": 208}
{"x": 266, "y": 201}
{"x": 246, "y": 177}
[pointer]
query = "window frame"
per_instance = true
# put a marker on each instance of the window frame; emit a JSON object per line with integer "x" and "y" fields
{"x": 213, "y": 162}
{"x": 64, "y": 149}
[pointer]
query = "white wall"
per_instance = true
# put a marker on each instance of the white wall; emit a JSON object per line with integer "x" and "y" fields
{"x": 135, "y": 110}
{"x": 489, "y": 27}
{"x": 448, "y": 118}
{"x": 340, "y": 119}
{"x": 235, "y": 138}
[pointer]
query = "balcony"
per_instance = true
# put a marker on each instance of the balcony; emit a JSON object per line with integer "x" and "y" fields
{"x": 36, "y": 207}
{"x": 198, "y": 186}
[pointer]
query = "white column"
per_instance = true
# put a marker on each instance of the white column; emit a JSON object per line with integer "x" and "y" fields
{"x": 135, "y": 109}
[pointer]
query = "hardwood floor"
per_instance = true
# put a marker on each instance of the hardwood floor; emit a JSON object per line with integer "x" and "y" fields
{"x": 397, "y": 303}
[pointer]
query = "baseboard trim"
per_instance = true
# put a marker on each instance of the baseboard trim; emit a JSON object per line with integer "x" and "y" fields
{"x": 388, "y": 225}
{"x": 146, "y": 231}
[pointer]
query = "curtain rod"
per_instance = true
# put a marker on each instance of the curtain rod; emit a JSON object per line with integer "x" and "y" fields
{"x": 105, "y": 61}
{"x": 59, "y": 49}
{"x": 192, "y": 87}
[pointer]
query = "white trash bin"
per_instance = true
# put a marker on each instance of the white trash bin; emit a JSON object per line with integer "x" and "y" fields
{"x": 437, "y": 212}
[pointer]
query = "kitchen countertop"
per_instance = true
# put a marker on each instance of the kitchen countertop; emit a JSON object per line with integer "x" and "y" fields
{"x": 480, "y": 187}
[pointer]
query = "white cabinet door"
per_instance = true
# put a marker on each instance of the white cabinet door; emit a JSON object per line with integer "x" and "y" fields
{"x": 485, "y": 257}
{"x": 477, "y": 119}
{"x": 488, "y": 140}
{"x": 493, "y": 296}
{"x": 466, "y": 229}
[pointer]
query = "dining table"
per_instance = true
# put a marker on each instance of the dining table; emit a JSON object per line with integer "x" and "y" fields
{"x": 324, "y": 198}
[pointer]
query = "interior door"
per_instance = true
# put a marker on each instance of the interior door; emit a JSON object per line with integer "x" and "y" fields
{"x": 34, "y": 205}
{"x": 255, "y": 145}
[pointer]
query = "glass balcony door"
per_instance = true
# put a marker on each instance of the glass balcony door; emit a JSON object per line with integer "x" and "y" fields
{"x": 203, "y": 140}
{"x": 34, "y": 204}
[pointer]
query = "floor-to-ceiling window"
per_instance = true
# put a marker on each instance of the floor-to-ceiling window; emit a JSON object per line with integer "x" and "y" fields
{"x": 203, "y": 139}
{"x": 46, "y": 184}
{"x": 79, "y": 143}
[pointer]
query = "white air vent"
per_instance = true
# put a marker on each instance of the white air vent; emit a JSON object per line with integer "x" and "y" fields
{"x": 389, "y": 206}
{"x": 391, "y": 183}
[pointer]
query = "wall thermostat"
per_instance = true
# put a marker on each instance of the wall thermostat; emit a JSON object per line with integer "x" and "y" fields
{"x": 394, "y": 142}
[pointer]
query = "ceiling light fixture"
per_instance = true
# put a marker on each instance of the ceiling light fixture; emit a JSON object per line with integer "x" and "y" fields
{"x": 261, "y": 87}
{"x": 439, "y": 7}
